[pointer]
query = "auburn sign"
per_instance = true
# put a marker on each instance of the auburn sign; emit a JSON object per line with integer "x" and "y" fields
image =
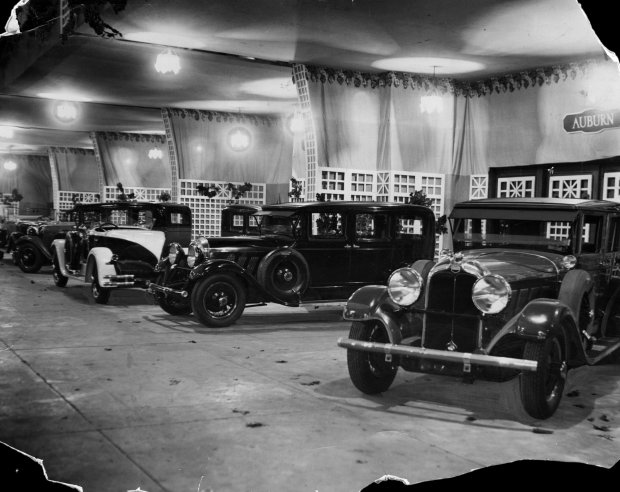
{"x": 591, "y": 121}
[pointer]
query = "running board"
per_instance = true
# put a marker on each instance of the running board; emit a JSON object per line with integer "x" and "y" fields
{"x": 601, "y": 348}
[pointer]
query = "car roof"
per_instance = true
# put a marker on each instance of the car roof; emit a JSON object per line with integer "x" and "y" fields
{"x": 542, "y": 204}
{"x": 130, "y": 204}
{"x": 342, "y": 206}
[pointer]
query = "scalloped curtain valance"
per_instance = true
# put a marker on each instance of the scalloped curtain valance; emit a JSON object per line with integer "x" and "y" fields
{"x": 125, "y": 159}
{"x": 224, "y": 117}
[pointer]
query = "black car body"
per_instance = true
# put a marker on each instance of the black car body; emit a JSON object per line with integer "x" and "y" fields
{"x": 239, "y": 220}
{"x": 533, "y": 289}
{"x": 33, "y": 249}
{"x": 118, "y": 244}
{"x": 302, "y": 252}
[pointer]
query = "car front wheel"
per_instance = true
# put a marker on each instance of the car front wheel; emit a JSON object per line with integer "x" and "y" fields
{"x": 369, "y": 371}
{"x": 177, "y": 306}
{"x": 29, "y": 258}
{"x": 541, "y": 390}
{"x": 218, "y": 300}
{"x": 101, "y": 295}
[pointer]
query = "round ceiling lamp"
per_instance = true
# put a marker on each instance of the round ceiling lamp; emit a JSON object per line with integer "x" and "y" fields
{"x": 295, "y": 123}
{"x": 10, "y": 165}
{"x": 66, "y": 111}
{"x": 239, "y": 139}
{"x": 168, "y": 62}
{"x": 155, "y": 153}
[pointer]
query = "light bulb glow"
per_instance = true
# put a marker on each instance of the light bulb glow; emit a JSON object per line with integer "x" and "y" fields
{"x": 155, "y": 153}
{"x": 431, "y": 104}
{"x": 168, "y": 62}
{"x": 66, "y": 111}
{"x": 6, "y": 132}
{"x": 239, "y": 139}
{"x": 10, "y": 165}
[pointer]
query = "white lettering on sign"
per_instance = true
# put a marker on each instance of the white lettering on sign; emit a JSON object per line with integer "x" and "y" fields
{"x": 593, "y": 120}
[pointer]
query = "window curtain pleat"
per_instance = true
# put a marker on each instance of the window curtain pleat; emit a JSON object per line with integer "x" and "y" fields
{"x": 32, "y": 179}
{"x": 77, "y": 170}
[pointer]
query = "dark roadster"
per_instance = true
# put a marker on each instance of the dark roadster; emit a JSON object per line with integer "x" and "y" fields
{"x": 293, "y": 253}
{"x": 533, "y": 289}
{"x": 33, "y": 249}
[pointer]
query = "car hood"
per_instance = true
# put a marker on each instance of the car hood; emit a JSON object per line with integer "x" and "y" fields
{"x": 153, "y": 241}
{"x": 516, "y": 265}
{"x": 242, "y": 242}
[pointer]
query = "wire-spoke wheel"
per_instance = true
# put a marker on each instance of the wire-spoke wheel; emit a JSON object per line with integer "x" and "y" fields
{"x": 219, "y": 300}
{"x": 541, "y": 390}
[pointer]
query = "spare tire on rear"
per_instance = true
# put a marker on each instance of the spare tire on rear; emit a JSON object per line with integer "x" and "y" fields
{"x": 285, "y": 274}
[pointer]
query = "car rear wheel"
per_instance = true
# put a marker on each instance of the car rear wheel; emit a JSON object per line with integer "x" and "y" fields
{"x": 284, "y": 274}
{"x": 29, "y": 258}
{"x": 177, "y": 306}
{"x": 59, "y": 279}
{"x": 218, "y": 300}
{"x": 369, "y": 371}
{"x": 101, "y": 295}
{"x": 541, "y": 390}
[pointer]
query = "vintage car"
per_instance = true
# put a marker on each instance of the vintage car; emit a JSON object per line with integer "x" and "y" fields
{"x": 32, "y": 250}
{"x": 118, "y": 244}
{"x": 239, "y": 220}
{"x": 533, "y": 289}
{"x": 302, "y": 252}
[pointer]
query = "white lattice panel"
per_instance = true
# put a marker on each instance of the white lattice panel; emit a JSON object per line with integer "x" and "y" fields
{"x": 66, "y": 201}
{"x": 611, "y": 187}
{"x": 579, "y": 186}
{"x": 111, "y": 193}
{"x": 517, "y": 187}
{"x": 478, "y": 186}
{"x": 207, "y": 212}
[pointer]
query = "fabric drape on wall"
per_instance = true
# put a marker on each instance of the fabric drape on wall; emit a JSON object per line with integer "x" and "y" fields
{"x": 380, "y": 128}
{"x": 125, "y": 159}
{"x": 201, "y": 142}
{"x": 33, "y": 180}
{"x": 77, "y": 169}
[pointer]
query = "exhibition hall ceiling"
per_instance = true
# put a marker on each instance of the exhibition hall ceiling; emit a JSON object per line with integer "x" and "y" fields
{"x": 236, "y": 56}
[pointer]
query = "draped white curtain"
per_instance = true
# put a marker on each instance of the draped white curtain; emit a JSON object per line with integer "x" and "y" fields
{"x": 203, "y": 152}
{"x": 77, "y": 169}
{"x": 125, "y": 159}
{"x": 33, "y": 180}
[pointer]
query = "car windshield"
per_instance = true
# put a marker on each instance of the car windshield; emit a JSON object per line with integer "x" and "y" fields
{"x": 540, "y": 235}
{"x": 276, "y": 225}
{"x": 131, "y": 217}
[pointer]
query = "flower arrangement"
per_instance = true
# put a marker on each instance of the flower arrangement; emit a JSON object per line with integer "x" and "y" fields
{"x": 418, "y": 197}
{"x": 296, "y": 189}
{"x": 208, "y": 191}
{"x": 124, "y": 197}
{"x": 237, "y": 192}
{"x": 13, "y": 198}
{"x": 164, "y": 196}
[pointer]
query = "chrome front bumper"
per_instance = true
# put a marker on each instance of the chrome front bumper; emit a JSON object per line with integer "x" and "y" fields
{"x": 118, "y": 281}
{"x": 467, "y": 359}
{"x": 155, "y": 288}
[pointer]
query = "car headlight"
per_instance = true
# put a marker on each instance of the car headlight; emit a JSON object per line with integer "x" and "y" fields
{"x": 202, "y": 246}
{"x": 175, "y": 253}
{"x": 491, "y": 294}
{"x": 404, "y": 286}
{"x": 192, "y": 252}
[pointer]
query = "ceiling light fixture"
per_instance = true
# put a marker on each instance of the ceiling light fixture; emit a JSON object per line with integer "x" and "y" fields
{"x": 239, "y": 139}
{"x": 66, "y": 111}
{"x": 167, "y": 61}
{"x": 155, "y": 153}
{"x": 295, "y": 122}
{"x": 10, "y": 165}
{"x": 432, "y": 103}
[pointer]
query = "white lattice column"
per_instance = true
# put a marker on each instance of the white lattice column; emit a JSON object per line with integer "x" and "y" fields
{"x": 100, "y": 177}
{"x": 172, "y": 156}
{"x": 300, "y": 77}
{"x": 55, "y": 182}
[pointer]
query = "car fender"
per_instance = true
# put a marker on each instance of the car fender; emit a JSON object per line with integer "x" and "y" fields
{"x": 102, "y": 259}
{"x": 372, "y": 302}
{"x": 58, "y": 248}
{"x": 211, "y": 267}
{"x": 538, "y": 319}
{"x": 35, "y": 241}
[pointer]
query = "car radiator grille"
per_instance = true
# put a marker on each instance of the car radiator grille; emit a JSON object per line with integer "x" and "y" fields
{"x": 452, "y": 320}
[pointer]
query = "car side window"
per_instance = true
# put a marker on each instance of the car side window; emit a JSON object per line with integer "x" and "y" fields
{"x": 371, "y": 226}
{"x": 408, "y": 227}
{"x": 613, "y": 238}
{"x": 326, "y": 225}
{"x": 592, "y": 229}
